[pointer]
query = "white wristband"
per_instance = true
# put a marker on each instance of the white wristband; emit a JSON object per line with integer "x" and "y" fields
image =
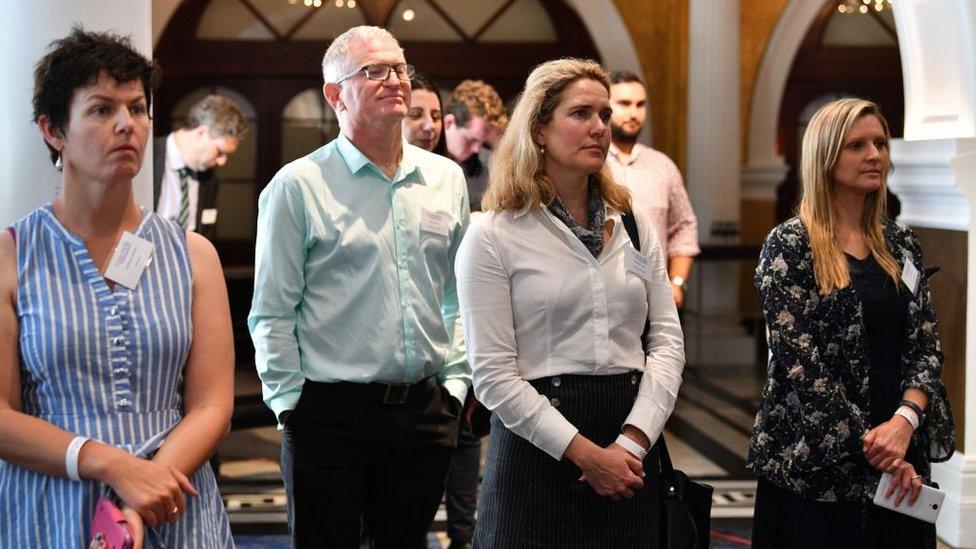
{"x": 631, "y": 446}
{"x": 908, "y": 414}
{"x": 71, "y": 457}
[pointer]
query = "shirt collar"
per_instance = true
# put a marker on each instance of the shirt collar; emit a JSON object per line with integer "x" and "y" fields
{"x": 609, "y": 210}
{"x": 355, "y": 160}
{"x": 634, "y": 153}
{"x": 174, "y": 160}
{"x": 520, "y": 213}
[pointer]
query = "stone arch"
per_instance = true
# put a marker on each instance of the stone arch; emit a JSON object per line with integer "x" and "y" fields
{"x": 767, "y": 95}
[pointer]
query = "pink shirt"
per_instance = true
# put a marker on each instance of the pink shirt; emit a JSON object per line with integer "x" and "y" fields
{"x": 657, "y": 189}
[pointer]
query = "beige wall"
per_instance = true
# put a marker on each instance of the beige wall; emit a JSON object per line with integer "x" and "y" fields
{"x": 758, "y": 19}
{"x": 659, "y": 29}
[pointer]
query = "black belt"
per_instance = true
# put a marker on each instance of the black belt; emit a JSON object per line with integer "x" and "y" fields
{"x": 392, "y": 393}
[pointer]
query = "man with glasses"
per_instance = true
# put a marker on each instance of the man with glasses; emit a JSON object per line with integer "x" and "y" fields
{"x": 355, "y": 315}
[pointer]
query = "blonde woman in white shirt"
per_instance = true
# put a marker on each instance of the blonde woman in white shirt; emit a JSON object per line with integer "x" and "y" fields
{"x": 554, "y": 299}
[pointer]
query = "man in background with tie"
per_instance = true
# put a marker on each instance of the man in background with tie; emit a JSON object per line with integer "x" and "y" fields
{"x": 184, "y": 183}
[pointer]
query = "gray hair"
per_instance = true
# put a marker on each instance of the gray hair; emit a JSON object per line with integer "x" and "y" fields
{"x": 335, "y": 62}
{"x": 220, "y": 115}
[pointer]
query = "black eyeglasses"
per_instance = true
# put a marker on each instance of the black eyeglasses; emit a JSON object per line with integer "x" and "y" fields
{"x": 381, "y": 71}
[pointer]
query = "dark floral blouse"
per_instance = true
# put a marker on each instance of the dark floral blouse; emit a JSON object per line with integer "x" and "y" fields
{"x": 815, "y": 406}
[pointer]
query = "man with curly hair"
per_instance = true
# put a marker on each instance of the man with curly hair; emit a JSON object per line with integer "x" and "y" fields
{"x": 475, "y": 114}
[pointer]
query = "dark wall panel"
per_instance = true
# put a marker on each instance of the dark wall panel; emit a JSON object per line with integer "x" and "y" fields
{"x": 948, "y": 250}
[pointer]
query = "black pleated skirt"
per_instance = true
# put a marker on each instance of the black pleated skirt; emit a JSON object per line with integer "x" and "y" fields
{"x": 529, "y": 499}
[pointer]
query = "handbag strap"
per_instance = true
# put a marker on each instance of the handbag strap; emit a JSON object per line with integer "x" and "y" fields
{"x": 667, "y": 468}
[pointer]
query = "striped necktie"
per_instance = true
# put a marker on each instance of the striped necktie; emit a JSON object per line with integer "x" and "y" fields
{"x": 186, "y": 174}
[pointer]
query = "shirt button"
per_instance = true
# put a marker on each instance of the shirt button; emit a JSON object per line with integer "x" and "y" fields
{"x": 119, "y": 340}
{"x": 121, "y": 371}
{"x": 556, "y": 382}
{"x": 554, "y": 401}
{"x": 113, "y": 311}
{"x": 633, "y": 379}
{"x": 124, "y": 403}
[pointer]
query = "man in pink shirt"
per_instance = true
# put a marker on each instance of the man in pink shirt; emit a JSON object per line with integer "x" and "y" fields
{"x": 653, "y": 180}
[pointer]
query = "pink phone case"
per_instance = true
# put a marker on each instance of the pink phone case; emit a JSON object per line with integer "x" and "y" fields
{"x": 109, "y": 529}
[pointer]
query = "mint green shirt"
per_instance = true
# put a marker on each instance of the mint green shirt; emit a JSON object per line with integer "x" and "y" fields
{"x": 354, "y": 273}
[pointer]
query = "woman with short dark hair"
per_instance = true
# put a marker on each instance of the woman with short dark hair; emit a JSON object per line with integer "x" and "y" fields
{"x": 116, "y": 357}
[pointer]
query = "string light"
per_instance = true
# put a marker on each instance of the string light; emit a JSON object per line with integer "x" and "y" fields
{"x": 863, "y": 6}
{"x": 408, "y": 15}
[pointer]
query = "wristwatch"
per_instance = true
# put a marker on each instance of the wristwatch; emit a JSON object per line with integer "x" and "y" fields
{"x": 678, "y": 281}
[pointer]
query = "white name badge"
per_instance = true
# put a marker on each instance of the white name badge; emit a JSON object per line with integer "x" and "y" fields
{"x": 208, "y": 216}
{"x": 434, "y": 222}
{"x": 910, "y": 276}
{"x": 132, "y": 256}
{"x": 637, "y": 263}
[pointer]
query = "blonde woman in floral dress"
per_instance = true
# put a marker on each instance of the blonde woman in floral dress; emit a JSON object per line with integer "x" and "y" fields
{"x": 853, "y": 387}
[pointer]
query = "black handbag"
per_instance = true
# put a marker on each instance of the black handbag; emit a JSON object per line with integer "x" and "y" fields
{"x": 686, "y": 513}
{"x": 686, "y": 510}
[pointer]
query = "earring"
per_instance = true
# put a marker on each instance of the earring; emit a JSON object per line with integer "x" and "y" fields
{"x": 542, "y": 150}
{"x": 57, "y": 163}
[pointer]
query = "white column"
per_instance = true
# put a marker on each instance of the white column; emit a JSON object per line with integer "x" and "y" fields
{"x": 714, "y": 142}
{"x": 26, "y": 28}
{"x": 935, "y": 178}
{"x": 712, "y": 175}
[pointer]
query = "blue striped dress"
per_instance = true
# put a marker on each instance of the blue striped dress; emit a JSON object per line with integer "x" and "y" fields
{"x": 107, "y": 364}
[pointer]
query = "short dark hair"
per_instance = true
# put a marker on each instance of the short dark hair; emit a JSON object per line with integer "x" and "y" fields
{"x": 77, "y": 60}
{"x": 421, "y": 81}
{"x": 220, "y": 115}
{"x": 623, "y": 77}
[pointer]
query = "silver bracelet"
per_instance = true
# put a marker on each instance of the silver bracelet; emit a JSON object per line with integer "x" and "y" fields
{"x": 71, "y": 457}
{"x": 631, "y": 446}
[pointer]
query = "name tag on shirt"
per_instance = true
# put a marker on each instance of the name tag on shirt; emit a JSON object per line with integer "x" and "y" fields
{"x": 637, "y": 263}
{"x": 434, "y": 222}
{"x": 132, "y": 256}
{"x": 208, "y": 216}
{"x": 910, "y": 276}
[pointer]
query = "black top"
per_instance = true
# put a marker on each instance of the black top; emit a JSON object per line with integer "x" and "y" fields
{"x": 884, "y": 309}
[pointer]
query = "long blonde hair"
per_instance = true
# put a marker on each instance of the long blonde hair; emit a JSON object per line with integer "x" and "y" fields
{"x": 517, "y": 176}
{"x": 822, "y": 146}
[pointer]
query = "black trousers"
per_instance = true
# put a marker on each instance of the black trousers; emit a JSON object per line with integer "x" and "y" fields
{"x": 784, "y": 520}
{"x": 358, "y": 471}
{"x": 462, "y": 487}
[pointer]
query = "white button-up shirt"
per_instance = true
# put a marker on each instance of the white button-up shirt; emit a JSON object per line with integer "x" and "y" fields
{"x": 171, "y": 187}
{"x": 536, "y": 303}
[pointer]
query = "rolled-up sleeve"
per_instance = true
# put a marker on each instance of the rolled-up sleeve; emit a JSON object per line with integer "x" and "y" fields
{"x": 682, "y": 223}
{"x": 484, "y": 291}
{"x": 279, "y": 285}
{"x": 664, "y": 346}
